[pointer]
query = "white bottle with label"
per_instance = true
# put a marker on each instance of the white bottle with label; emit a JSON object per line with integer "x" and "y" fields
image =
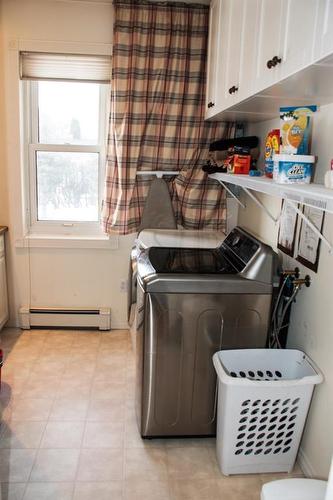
{"x": 329, "y": 177}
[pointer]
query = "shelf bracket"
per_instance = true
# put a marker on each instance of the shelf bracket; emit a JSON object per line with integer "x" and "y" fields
{"x": 261, "y": 205}
{"x": 310, "y": 224}
{"x": 240, "y": 203}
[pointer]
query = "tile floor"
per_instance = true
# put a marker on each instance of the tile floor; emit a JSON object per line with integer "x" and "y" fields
{"x": 68, "y": 429}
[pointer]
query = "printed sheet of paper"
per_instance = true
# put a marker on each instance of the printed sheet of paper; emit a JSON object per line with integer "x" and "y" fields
{"x": 308, "y": 241}
{"x": 287, "y": 230}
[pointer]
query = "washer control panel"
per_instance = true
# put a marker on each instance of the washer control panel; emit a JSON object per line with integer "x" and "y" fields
{"x": 241, "y": 244}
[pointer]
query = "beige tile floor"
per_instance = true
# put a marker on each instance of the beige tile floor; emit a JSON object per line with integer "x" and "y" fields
{"x": 68, "y": 428}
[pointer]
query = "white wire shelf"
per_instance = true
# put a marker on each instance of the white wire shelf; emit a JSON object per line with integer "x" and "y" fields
{"x": 313, "y": 195}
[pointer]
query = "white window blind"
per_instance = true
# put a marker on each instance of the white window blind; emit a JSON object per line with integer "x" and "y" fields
{"x": 70, "y": 67}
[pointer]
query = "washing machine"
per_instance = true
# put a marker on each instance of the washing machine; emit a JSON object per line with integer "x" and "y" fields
{"x": 192, "y": 302}
{"x": 162, "y": 238}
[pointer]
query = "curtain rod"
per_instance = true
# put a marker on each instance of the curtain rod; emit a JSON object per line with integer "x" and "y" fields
{"x": 182, "y": 5}
{"x": 158, "y": 173}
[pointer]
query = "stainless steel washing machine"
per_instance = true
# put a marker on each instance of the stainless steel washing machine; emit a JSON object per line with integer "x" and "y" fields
{"x": 164, "y": 238}
{"x": 190, "y": 304}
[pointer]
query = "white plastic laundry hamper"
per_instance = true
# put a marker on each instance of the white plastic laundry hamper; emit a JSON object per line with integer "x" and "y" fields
{"x": 263, "y": 400}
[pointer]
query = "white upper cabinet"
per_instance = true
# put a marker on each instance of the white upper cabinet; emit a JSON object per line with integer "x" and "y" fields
{"x": 231, "y": 53}
{"x": 213, "y": 65}
{"x": 240, "y": 48}
{"x": 299, "y": 17}
{"x": 233, "y": 12}
{"x": 248, "y": 53}
{"x": 285, "y": 39}
{"x": 270, "y": 35}
{"x": 324, "y": 29}
{"x": 262, "y": 55}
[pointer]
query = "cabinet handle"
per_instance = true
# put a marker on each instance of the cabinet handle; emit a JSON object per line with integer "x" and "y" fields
{"x": 233, "y": 89}
{"x": 276, "y": 60}
{"x": 271, "y": 63}
{"x": 210, "y": 105}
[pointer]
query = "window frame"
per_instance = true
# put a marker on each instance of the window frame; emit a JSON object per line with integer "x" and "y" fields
{"x": 61, "y": 227}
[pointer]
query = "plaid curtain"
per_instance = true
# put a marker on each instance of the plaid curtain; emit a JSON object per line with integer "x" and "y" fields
{"x": 157, "y": 115}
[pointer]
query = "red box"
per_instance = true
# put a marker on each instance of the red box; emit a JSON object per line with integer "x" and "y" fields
{"x": 239, "y": 164}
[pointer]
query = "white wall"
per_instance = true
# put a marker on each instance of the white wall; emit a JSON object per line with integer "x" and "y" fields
{"x": 52, "y": 276}
{"x": 311, "y": 326}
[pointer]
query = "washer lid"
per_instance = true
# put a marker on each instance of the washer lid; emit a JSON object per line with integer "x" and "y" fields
{"x": 190, "y": 261}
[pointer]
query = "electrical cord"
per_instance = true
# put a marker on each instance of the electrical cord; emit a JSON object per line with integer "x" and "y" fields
{"x": 276, "y": 306}
{"x": 279, "y": 296}
{"x": 291, "y": 299}
{"x": 279, "y": 323}
{"x": 274, "y": 314}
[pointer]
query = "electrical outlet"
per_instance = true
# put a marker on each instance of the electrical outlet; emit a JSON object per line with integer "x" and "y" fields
{"x": 123, "y": 286}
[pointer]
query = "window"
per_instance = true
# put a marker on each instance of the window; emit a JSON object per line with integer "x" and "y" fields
{"x": 66, "y": 125}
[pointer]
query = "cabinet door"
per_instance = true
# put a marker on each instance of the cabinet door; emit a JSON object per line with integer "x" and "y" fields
{"x": 213, "y": 57}
{"x": 324, "y": 29}
{"x": 271, "y": 31}
{"x": 235, "y": 52}
{"x": 3, "y": 292}
{"x": 233, "y": 12}
{"x": 248, "y": 49}
{"x": 298, "y": 46}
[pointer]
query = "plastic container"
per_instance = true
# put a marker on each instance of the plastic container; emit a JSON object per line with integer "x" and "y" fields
{"x": 328, "y": 181}
{"x": 272, "y": 146}
{"x": 293, "y": 169}
{"x": 263, "y": 400}
{"x": 295, "y": 489}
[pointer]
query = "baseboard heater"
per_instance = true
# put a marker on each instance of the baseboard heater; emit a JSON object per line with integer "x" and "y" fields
{"x": 53, "y": 317}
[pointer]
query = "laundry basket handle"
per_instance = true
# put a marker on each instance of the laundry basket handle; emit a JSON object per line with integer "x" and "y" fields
{"x": 319, "y": 376}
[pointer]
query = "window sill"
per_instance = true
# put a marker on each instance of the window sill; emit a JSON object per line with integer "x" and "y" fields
{"x": 64, "y": 241}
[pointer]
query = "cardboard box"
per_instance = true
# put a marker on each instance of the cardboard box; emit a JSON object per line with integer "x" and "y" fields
{"x": 239, "y": 164}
